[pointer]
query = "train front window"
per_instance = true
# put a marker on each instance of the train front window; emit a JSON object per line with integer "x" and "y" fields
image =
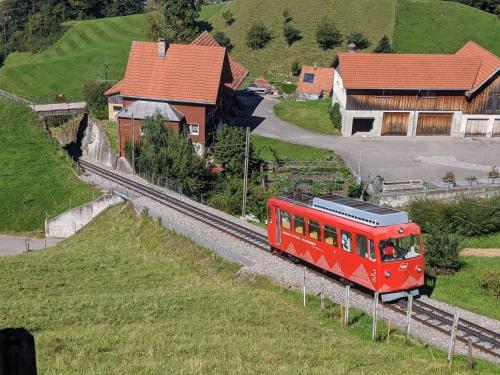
{"x": 400, "y": 248}
{"x": 300, "y": 224}
{"x": 285, "y": 220}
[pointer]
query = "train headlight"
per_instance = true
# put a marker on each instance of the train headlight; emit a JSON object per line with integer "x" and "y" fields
{"x": 387, "y": 274}
{"x": 419, "y": 269}
{"x": 401, "y": 230}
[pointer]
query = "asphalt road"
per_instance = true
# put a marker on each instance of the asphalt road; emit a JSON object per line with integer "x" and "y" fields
{"x": 394, "y": 158}
{"x": 10, "y": 245}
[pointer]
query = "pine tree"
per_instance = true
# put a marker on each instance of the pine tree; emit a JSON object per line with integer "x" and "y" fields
{"x": 384, "y": 45}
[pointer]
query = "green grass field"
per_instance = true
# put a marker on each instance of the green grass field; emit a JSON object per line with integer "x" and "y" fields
{"x": 34, "y": 177}
{"x": 312, "y": 115}
{"x": 437, "y": 26}
{"x": 463, "y": 288}
{"x": 125, "y": 296}
{"x": 489, "y": 241}
{"x": 78, "y": 56}
{"x": 288, "y": 151}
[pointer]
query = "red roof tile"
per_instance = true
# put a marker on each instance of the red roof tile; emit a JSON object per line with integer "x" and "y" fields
{"x": 489, "y": 62}
{"x": 115, "y": 89}
{"x": 238, "y": 71}
{"x": 188, "y": 73}
{"x": 262, "y": 83}
{"x": 408, "y": 71}
{"x": 323, "y": 80}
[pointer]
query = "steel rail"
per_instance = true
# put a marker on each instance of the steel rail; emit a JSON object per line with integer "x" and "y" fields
{"x": 244, "y": 234}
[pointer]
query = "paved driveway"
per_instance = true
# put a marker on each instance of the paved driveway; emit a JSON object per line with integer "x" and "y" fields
{"x": 394, "y": 158}
{"x": 10, "y": 245}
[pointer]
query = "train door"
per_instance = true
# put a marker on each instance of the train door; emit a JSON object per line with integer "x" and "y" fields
{"x": 366, "y": 270}
{"x": 347, "y": 256}
{"x": 277, "y": 224}
{"x": 331, "y": 246}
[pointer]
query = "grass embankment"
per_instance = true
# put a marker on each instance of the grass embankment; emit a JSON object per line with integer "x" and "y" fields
{"x": 463, "y": 289}
{"x": 110, "y": 128}
{"x": 78, "y": 56}
{"x": 34, "y": 177}
{"x": 288, "y": 151}
{"x": 443, "y": 27}
{"x": 276, "y": 58}
{"x": 125, "y": 296}
{"x": 312, "y": 115}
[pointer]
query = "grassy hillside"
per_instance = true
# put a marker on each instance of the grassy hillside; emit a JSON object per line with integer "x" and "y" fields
{"x": 78, "y": 56}
{"x": 374, "y": 17}
{"x": 443, "y": 26}
{"x": 126, "y": 297}
{"x": 34, "y": 177}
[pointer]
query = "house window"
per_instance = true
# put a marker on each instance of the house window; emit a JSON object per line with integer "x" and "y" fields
{"x": 385, "y": 93}
{"x": 194, "y": 129}
{"x": 309, "y": 77}
{"x": 117, "y": 108}
{"x": 428, "y": 93}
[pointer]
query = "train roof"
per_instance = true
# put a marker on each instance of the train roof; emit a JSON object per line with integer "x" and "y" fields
{"x": 356, "y": 210}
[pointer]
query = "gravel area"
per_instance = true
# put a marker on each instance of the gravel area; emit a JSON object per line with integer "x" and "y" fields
{"x": 257, "y": 261}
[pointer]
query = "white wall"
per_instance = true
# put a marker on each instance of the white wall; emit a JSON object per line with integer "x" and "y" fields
{"x": 489, "y": 128}
{"x": 339, "y": 94}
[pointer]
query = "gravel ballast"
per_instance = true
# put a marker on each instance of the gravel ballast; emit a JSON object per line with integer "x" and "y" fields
{"x": 256, "y": 261}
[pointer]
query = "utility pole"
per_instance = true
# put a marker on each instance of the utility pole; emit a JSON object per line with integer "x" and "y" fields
{"x": 106, "y": 66}
{"x": 133, "y": 144}
{"x": 245, "y": 177}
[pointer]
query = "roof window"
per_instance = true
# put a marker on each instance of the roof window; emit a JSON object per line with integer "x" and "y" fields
{"x": 309, "y": 77}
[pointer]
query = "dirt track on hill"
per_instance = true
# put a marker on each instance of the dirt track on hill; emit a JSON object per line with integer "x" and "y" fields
{"x": 481, "y": 252}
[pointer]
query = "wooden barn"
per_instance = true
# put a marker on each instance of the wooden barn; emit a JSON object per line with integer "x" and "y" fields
{"x": 419, "y": 94}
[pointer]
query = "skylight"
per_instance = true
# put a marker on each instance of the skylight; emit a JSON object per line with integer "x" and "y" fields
{"x": 309, "y": 77}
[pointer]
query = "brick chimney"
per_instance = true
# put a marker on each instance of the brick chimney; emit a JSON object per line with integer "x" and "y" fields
{"x": 162, "y": 47}
{"x": 352, "y": 47}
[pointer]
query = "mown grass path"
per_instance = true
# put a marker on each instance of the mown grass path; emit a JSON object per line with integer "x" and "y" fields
{"x": 126, "y": 297}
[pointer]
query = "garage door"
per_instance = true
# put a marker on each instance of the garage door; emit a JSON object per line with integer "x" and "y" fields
{"x": 476, "y": 128}
{"x": 434, "y": 123}
{"x": 395, "y": 123}
{"x": 496, "y": 128}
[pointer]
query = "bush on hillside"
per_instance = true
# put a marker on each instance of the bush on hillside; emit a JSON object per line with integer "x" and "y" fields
{"x": 287, "y": 16}
{"x": 359, "y": 39}
{"x": 327, "y": 34}
{"x": 441, "y": 253}
{"x": 97, "y": 103}
{"x": 291, "y": 34}
{"x": 228, "y": 17}
{"x": 296, "y": 68}
{"x": 384, "y": 45}
{"x": 490, "y": 281}
{"x": 335, "y": 116}
{"x": 223, "y": 40}
{"x": 258, "y": 36}
{"x": 287, "y": 88}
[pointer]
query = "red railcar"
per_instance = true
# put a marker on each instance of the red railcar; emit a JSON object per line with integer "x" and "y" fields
{"x": 370, "y": 245}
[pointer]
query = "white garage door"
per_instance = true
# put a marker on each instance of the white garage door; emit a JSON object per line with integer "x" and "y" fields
{"x": 476, "y": 128}
{"x": 496, "y": 128}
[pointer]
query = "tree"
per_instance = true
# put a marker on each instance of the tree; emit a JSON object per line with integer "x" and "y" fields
{"x": 175, "y": 20}
{"x": 173, "y": 156}
{"x": 258, "y": 36}
{"x": 384, "y": 45}
{"x": 287, "y": 17}
{"x": 228, "y": 17}
{"x": 223, "y": 40}
{"x": 93, "y": 94}
{"x": 358, "y": 38}
{"x": 327, "y": 34}
{"x": 291, "y": 33}
{"x": 335, "y": 116}
{"x": 296, "y": 68}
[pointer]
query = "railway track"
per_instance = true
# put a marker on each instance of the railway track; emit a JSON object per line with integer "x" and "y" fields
{"x": 481, "y": 338}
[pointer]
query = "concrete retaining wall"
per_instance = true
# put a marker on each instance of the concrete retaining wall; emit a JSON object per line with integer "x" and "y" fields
{"x": 70, "y": 222}
{"x": 404, "y": 198}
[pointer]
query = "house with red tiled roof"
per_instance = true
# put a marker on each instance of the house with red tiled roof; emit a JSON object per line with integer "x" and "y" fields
{"x": 315, "y": 82}
{"x": 189, "y": 84}
{"x": 419, "y": 94}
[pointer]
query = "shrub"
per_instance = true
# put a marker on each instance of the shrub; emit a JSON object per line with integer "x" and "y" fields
{"x": 93, "y": 94}
{"x": 258, "y": 36}
{"x": 441, "y": 253}
{"x": 493, "y": 172}
{"x": 384, "y": 45}
{"x": 296, "y": 68}
{"x": 287, "y": 88}
{"x": 228, "y": 17}
{"x": 287, "y": 17}
{"x": 358, "y": 38}
{"x": 335, "y": 116}
{"x": 327, "y": 34}
{"x": 429, "y": 214}
{"x": 355, "y": 190}
{"x": 490, "y": 281}
{"x": 291, "y": 33}
{"x": 223, "y": 40}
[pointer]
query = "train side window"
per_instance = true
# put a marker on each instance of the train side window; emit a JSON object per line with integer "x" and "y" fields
{"x": 361, "y": 246}
{"x": 269, "y": 214}
{"x": 285, "y": 220}
{"x": 330, "y": 234}
{"x": 346, "y": 241}
{"x": 300, "y": 224}
{"x": 372, "y": 249}
{"x": 314, "y": 230}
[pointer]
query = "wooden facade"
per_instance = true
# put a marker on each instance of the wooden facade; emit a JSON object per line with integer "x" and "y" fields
{"x": 434, "y": 123}
{"x": 395, "y": 123}
{"x": 485, "y": 101}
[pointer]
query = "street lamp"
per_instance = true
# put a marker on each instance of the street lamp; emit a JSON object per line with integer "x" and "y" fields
{"x": 360, "y": 156}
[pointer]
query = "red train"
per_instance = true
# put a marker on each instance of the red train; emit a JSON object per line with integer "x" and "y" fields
{"x": 370, "y": 245}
